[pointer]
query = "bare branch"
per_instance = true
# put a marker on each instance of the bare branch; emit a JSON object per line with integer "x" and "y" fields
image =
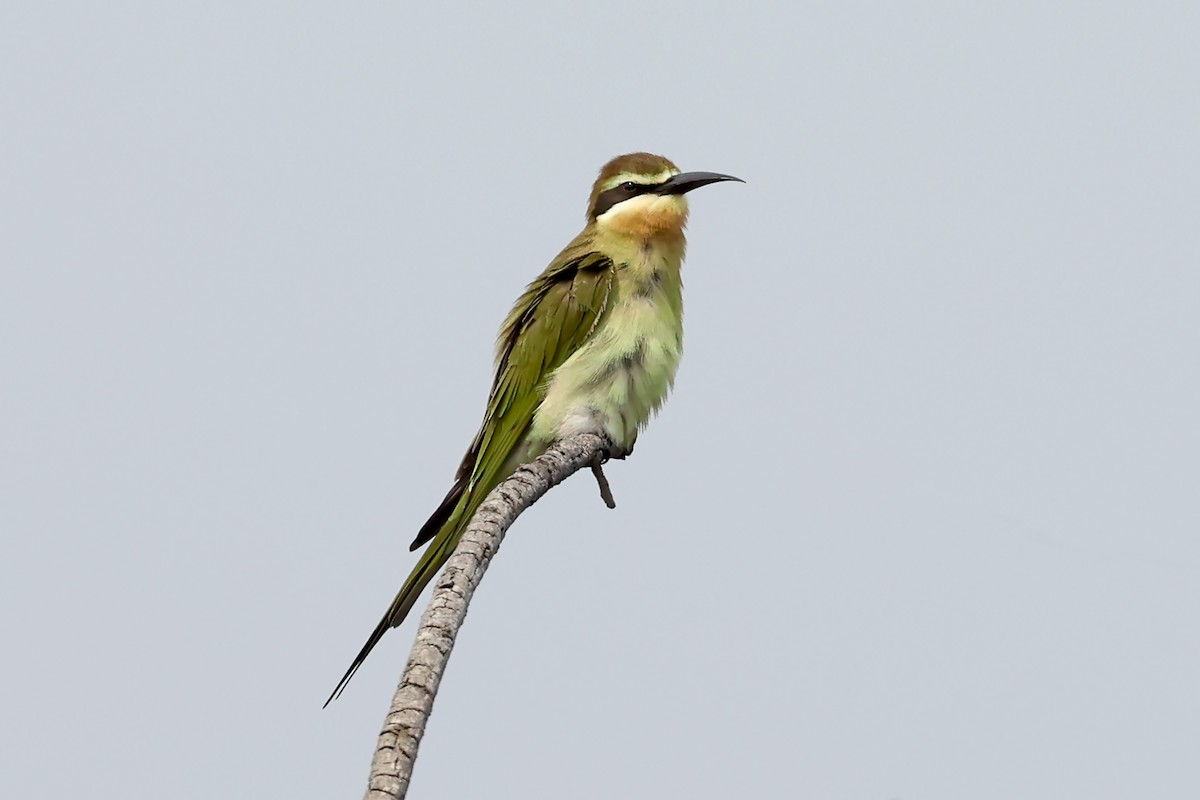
{"x": 391, "y": 767}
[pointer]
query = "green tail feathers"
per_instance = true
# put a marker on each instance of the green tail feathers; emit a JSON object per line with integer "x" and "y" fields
{"x": 435, "y": 556}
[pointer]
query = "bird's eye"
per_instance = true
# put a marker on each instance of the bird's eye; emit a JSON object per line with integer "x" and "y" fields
{"x": 629, "y": 186}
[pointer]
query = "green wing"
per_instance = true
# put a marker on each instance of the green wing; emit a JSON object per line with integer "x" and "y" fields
{"x": 554, "y": 317}
{"x": 551, "y": 320}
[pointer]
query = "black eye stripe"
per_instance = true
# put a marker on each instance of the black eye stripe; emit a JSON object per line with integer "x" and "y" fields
{"x": 610, "y": 197}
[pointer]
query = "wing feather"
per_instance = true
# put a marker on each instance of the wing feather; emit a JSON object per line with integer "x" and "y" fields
{"x": 553, "y": 318}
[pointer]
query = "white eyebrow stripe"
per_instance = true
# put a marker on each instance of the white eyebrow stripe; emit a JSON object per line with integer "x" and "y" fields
{"x": 642, "y": 180}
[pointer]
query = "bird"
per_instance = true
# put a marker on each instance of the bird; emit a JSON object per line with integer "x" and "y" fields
{"x": 591, "y": 346}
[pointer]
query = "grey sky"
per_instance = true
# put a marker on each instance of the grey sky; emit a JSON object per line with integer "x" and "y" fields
{"x": 919, "y": 523}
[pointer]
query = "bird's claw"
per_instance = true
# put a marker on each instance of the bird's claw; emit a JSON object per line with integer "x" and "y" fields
{"x": 616, "y": 452}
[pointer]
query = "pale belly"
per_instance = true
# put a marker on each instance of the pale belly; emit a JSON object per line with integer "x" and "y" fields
{"x": 615, "y": 382}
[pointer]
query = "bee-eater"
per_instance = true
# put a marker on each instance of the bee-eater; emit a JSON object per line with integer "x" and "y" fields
{"x": 592, "y": 345}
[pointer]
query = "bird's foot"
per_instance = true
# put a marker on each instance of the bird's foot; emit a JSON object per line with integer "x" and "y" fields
{"x": 617, "y": 452}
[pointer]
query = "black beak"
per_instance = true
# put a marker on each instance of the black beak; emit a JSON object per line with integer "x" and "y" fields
{"x": 684, "y": 182}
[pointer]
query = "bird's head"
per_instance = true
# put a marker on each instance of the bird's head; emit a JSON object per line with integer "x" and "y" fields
{"x": 642, "y": 195}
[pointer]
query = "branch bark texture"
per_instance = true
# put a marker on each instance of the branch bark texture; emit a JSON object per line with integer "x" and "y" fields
{"x": 396, "y": 750}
